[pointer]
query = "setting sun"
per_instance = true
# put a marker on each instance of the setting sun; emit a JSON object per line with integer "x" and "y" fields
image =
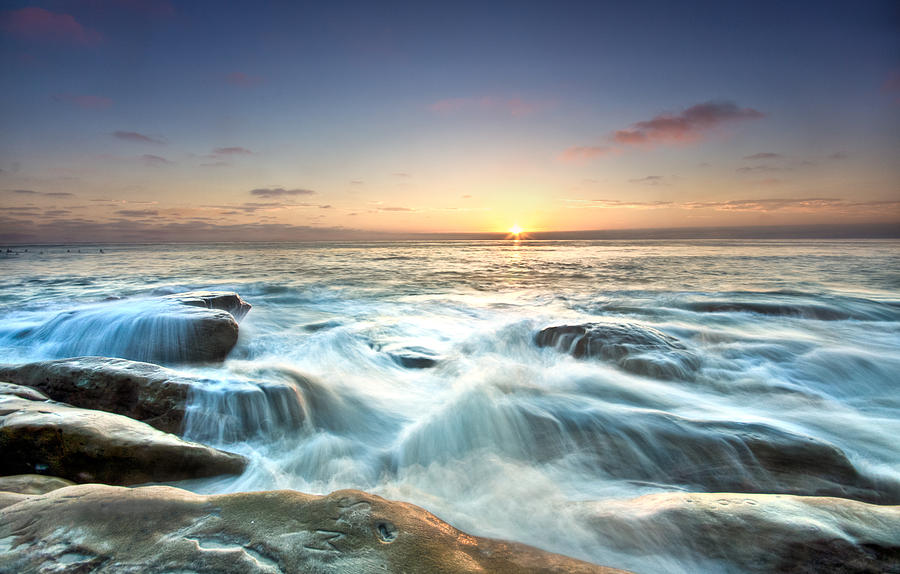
{"x": 515, "y": 229}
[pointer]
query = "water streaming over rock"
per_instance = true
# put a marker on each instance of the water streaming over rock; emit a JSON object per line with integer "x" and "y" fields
{"x": 423, "y": 372}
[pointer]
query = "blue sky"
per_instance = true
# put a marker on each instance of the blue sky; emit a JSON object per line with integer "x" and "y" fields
{"x": 162, "y": 118}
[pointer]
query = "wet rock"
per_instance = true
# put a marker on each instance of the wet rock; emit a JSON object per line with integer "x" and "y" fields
{"x": 93, "y": 528}
{"x": 17, "y": 390}
{"x": 635, "y": 348}
{"x": 142, "y": 391}
{"x": 221, "y": 300}
{"x": 81, "y": 445}
{"x": 753, "y": 532}
{"x": 414, "y": 358}
{"x": 162, "y": 397}
{"x": 168, "y": 330}
{"x": 32, "y": 483}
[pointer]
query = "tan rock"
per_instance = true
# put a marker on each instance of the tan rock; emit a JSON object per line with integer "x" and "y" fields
{"x": 105, "y": 529}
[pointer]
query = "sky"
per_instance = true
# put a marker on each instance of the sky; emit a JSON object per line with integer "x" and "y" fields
{"x": 130, "y": 120}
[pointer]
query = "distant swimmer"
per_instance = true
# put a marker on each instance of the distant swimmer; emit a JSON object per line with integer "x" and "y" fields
{"x": 101, "y": 251}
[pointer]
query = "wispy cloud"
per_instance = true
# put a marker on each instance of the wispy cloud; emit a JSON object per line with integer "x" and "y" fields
{"x": 687, "y": 126}
{"x": 31, "y": 192}
{"x": 280, "y": 192}
{"x": 154, "y": 160}
{"x": 396, "y": 209}
{"x": 616, "y": 204}
{"x": 513, "y": 106}
{"x": 39, "y": 25}
{"x": 763, "y": 155}
{"x": 83, "y": 101}
{"x": 649, "y": 180}
{"x": 235, "y": 150}
{"x": 138, "y": 212}
{"x": 136, "y": 137}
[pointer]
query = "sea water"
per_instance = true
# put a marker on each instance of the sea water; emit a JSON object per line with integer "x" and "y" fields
{"x": 415, "y": 372}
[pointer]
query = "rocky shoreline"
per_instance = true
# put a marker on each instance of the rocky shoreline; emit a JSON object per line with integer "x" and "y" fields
{"x": 79, "y": 435}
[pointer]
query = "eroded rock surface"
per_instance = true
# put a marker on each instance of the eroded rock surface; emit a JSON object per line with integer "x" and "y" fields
{"x": 635, "y": 348}
{"x": 753, "y": 532}
{"x": 32, "y": 483}
{"x": 93, "y": 528}
{"x": 81, "y": 445}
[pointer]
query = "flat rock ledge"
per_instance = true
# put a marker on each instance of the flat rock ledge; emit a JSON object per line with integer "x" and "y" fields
{"x": 81, "y": 445}
{"x": 92, "y": 528}
{"x": 755, "y": 533}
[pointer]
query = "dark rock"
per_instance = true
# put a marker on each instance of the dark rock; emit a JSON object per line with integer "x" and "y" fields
{"x": 638, "y": 349}
{"x": 94, "y": 528}
{"x": 221, "y": 300}
{"x": 81, "y": 445}
{"x": 753, "y": 532}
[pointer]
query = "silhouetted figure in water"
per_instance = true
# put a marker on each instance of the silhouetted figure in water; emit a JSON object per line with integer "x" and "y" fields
{"x": 68, "y": 251}
{"x": 101, "y": 251}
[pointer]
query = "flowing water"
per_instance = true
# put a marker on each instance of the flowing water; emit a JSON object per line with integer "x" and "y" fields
{"x": 412, "y": 369}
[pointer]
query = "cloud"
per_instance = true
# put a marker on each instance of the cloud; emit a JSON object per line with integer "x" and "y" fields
{"x": 357, "y": 182}
{"x": 616, "y": 204}
{"x": 401, "y": 174}
{"x": 578, "y": 153}
{"x": 31, "y": 192}
{"x": 242, "y": 79}
{"x": 280, "y": 192}
{"x": 686, "y": 126}
{"x": 136, "y": 137}
{"x": 39, "y": 25}
{"x": 232, "y": 151}
{"x": 649, "y": 180}
{"x": 154, "y": 160}
{"x": 138, "y": 212}
{"x": 395, "y": 209}
{"x": 84, "y": 101}
{"x": 771, "y": 204}
{"x": 325, "y": 206}
{"x": 514, "y": 106}
{"x": 763, "y": 155}
{"x": 56, "y": 212}
{"x": 764, "y": 168}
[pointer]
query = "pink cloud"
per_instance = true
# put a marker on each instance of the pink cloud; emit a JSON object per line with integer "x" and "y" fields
{"x": 37, "y": 24}
{"x": 580, "y": 153}
{"x": 687, "y": 126}
{"x": 236, "y": 150}
{"x": 517, "y": 107}
{"x": 242, "y": 79}
{"x": 84, "y": 101}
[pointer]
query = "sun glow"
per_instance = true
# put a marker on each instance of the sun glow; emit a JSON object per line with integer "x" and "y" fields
{"x": 515, "y": 229}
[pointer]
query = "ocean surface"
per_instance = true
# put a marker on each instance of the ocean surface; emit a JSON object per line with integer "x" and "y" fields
{"x": 416, "y": 368}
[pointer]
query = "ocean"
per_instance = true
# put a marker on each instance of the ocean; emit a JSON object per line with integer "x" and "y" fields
{"x": 765, "y": 366}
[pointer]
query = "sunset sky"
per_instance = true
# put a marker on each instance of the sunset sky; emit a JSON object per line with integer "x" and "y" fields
{"x": 148, "y": 119}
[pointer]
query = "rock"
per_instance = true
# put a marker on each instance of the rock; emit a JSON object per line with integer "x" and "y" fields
{"x": 93, "y": 528}
{"x": 142, "y": 391}
{"x": 641, "y": 445}
{"x": 17, "y": 390}
{"x": 753, "y": 532}
{"x": 635, "y": 348}
{"x": 32, "y": 483}
{"x": 93, "y": 446}
{"x": 222, "y": 300}
{"x": 162, "y": 397}
{"x": 167, "y": 330}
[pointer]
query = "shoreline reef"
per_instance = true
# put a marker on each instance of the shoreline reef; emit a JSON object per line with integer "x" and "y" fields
{"x": 84, "y": 438}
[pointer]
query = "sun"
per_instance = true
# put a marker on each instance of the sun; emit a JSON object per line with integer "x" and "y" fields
{"x": 515, "y": 229}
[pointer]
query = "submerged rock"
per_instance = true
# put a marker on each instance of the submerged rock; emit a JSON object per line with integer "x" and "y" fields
{"x": 638, "y": 349}
{"x": 753, "y": 532}
{"x": 32, "y": 483}
{"x": 93, "y": 528}
{"x": 161, "y": 397}
{"x": 194, "y": 328}
{"x": 93, "y": 446}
